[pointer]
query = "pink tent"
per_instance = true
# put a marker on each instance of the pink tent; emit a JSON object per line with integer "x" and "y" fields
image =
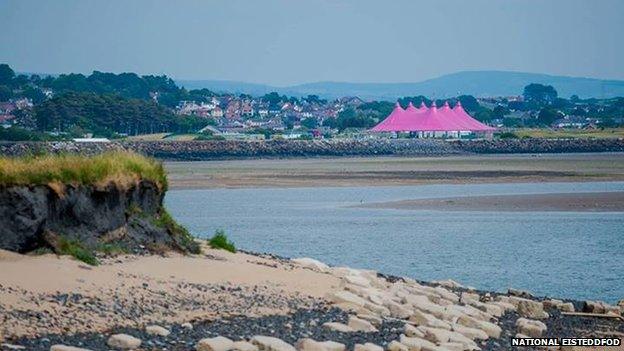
{"x": 391, "y": 122}
{"x": 434, "y": 120}
{"x": 411, "y": 109}
{"x": 464, "y": 118}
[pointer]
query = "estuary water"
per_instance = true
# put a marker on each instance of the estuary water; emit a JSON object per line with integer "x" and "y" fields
{"x": 560, "y": 254}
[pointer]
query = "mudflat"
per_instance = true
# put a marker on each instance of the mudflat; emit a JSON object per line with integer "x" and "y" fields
{"x": 384, "y": 171}
{"x": 567, "y": 202}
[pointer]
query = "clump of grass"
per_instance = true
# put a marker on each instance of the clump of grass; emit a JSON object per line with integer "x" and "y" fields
{"x": 75, "y": 249}
{"x": 115, "y": 166}
{"x": 221, "y": 241}
{"x": 179, "y": 233}
{"x": 112, "y": 249}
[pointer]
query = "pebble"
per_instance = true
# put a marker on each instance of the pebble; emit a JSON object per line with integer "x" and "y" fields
{"x": 123, "y": 342}
{"x": 218, "y": 343}
{"x": 66, "y": 348}
{"x": 269, "y": 343}
{"x": 157, "y": 330}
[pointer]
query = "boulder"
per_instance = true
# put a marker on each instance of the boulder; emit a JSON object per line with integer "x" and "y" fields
{"x": 187, "y": 326}
{"x": 374, "y": 320}
{"x": 600, "y": 307}
{"x": 566, "y": 307}
{"x": 357, "y": 280}
{"x": 66, "y": 348}
{"x": 269, "y": 343}
{"x": 412, "y": 331}
{"x": 123, "y": 342}
{"x": 417, "y": 344}
{"x": 358, "y": 324}
{"x": 422, "y": 318}
{"x": 311, "y": 263}
{"x": 472, "y": 333}
{"x": 348, "y": 297}
{"x": 244, "y": 346}
{"x": 452, "y": 346}
{"x": 530, "y": 327}
{"x": 519, "y": 293}
{"x": 449, "y": 283}
{"x": 157, "y": 330}
{"x": 218, "y": 343}
{"x": 396, "y": 346}
{"x": 340, "y": 327}
{"x": 367, "y": 347}
{"x": 491, "y": 329}
{"x": 531, "y": 309}
{"x": 439, "y": 336}
{"x": 308, "y": 344}
{"x": 397, "y": 310}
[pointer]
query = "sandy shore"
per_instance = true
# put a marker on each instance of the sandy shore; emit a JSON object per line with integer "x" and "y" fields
{"x": 383, "y": 171}
{"x": 570, "y": 202}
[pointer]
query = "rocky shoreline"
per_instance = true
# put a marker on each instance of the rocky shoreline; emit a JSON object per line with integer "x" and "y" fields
{"x": 366, "y": 311}
{"x": 217, "y": 150}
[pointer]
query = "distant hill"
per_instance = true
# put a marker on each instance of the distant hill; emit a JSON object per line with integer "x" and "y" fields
{"x": 477, "y": 83}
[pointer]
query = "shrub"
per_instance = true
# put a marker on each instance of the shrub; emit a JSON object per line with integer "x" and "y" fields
{"x": 75, "y": 249}
{"x": 181, "y": 236}
{"x": 220, "y": 241}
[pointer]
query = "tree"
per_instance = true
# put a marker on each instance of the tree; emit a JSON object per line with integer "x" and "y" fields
{"x": 499, "y": 112}
{"x": 469, "y": 103}
{"x": 547, "y": 116}
{"x": 6, "y": 74}
{"x": 349, "y": 118}
{"x": 310, "y": 123}
{"x": 6, "y": 93}
{"x": 539, "y": 94}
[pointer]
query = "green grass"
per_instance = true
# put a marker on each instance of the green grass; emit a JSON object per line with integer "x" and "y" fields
{"x": 179, "y": 233}
{"x": 119, "y": 167}
{"x": 112, "y": 249}
{"x": 220, "y": 241}
{"x": 75, "y": 249}
{"x": 606, "y": 133}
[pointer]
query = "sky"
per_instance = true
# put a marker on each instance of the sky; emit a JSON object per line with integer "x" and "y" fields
{"x": 285, "y": 42}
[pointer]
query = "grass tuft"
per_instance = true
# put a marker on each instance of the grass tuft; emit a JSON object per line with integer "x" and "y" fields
{"x": 182, "y": 236}
{"x": 119, "y": 167}
{"x": 220, "y": 241}
{"x": 75, "y": 249}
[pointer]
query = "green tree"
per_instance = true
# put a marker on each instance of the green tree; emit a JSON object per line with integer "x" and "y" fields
{"x": 469, "y": 103}
{"x": 547, "y": 116}
{"x": 310, "y": 123}
{"x": 539, "y": 94}
{"x": 6, "y": 74}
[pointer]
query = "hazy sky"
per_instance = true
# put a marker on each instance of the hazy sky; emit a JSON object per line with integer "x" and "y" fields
{"x": 284, "y": 42}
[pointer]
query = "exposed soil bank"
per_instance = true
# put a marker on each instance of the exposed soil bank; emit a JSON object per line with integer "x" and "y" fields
{"x": 211, "y": 150}
{"x": 569, "y": 202}
{"x": 126, "y": 215}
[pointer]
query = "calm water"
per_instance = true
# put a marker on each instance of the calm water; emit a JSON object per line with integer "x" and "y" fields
{"x": 561, "y": 254}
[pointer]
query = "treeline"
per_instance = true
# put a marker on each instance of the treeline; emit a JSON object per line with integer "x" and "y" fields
{"x": 109, "y": 114}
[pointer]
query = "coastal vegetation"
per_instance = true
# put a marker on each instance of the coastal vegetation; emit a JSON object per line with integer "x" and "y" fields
{"x": 220, "y": 241}
{"x": 119, "y": 167}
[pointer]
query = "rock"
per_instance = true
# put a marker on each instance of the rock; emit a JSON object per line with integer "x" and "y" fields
{"x": 531, "y": 309}
{"x": 417, "y": 344}
{"x": 269, "y": 343}
{"x": 396, "y": 346}
{"x": 367, "y": 347}
{"x": 600, "y": 307}
{"x": 157, "y": 330}
{"x": 311, "y": 263}
{"x": 412, "y": 331}
{"x": 491, "y": 329}
{"x": 530, "y": 327}
{"x": 12, "y": 347}
{"x": 358, "y": 324}
{"x": 519, "y": 293}
{"x": 449, "y": 283}
{"x": 506, "y": 306}
{"x": 374, "y": 320}
{"x": 566, "y": 307}
{"x": 123, "y": 342}
{"x": 66, "y": 348}
{"x": 422, "y": 318}
{"x": 552, "y": 303}
{"x": 472, "y": 333}
{"x": 397, "y": 310}
{"x": 340, "y": 327}
{"x": 439, "y": 336}
{"x": 313, "y": 345}
{"x": 244, "y": 346}
{"x": 452, "y": 346}
{"x": 468, "y": 296}
{"x": 345, "y": 296}
{"x": 218, "y": 343}
{"x": 357, "y": 280}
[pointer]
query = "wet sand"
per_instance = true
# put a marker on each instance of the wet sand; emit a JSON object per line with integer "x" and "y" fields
{"x": 384, "y": 171}
{"x": 565, "y": 202}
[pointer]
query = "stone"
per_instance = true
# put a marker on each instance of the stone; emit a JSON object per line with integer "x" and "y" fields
{"x": 472, "y": 333}
{"x": 367, "y": 347}
{"x": 66, "y": 348}
{"x": 422, "y": 318}
{"x": 449, "y": 283}
{"x": 412, "y": 331}
{"x": 452, "y": 346}
{"x": 491, "y": 329}
{"x": 531, "y": 309}
{"x": 566, "y": 307}
{"x": 357, "y": 280}
{"x": 269, "y": 343}
{"x": 439, "y": 336}
{"x": 396, "y": 346}
{"x": 311, "y": 263}
{"x": 519, "y": 293}
{"x": 157, "y": 330}
{"x": 244, "y": 346}
{"x": 123, "y": 342}
{"x": 600, "y": 307}
{"x": 340, "y": 327}
{"x": 358, "y": 324}
{"x": 12, "y": 346}
{"x": 218, "y": 343}
{"x": 397, "y": 310}
{"x": 348, "y": 297}
{"x": 530, "y": 327}
{"x": 468, "y": 296}
{"x": 374, "y": 320}
{"x": 552, "y": 303}
{"x": 307, "y": 344}
{"x": 506, "y": 306}
{"x": 417, "y": 344}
